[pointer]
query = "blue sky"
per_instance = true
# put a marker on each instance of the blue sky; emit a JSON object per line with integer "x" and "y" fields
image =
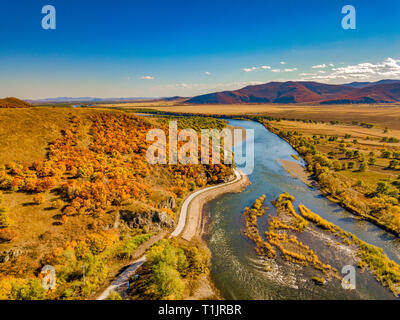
{"x": 152, "y": 48}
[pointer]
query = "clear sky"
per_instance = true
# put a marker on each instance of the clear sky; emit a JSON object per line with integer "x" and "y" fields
{"x": 153, "y": 48}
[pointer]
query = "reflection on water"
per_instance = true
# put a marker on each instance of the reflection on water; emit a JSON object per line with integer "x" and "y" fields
{"x": 240, "y": 274}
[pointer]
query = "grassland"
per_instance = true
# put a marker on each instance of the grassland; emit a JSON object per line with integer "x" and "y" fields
{"x": 354, "y": 165}
{"x": 387, "y": 115}
{"x": 67, "y": 174}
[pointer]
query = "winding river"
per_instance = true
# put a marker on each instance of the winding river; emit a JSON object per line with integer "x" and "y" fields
{"x": 240, "y": 274}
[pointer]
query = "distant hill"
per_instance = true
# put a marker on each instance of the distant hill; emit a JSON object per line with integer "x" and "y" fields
{"x": 12, "y": 102}
{"x": 305, "y": 92}
{"x": 379, "y": 93}
{"x": 275, "y": 92}
{"x": 367, "y": 84}
{"x": 94, "y": 100}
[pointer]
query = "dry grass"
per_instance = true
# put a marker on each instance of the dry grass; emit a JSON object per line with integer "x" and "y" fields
{"x": 26, "y": 132}
{"x": 382, "y": 115}
{"x": 356, "y": 132}
{"x": 24, "y": 137}
{"x": 376, "y": 172}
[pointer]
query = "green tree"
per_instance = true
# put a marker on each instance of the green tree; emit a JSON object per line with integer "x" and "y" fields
{"x": 337, "y": 165}
{"x": 166, "y": 281}
{"x": 382, "y": 187}
{"x": 386, "y": 154}
{"x": 363, "y": 166}
{"x": 114, "y": 296}
{"x": 28, "y": 290}
{"x": 371, "y": 161}
{"x": 393, "y": 164}
{"x": 5, "y": 220}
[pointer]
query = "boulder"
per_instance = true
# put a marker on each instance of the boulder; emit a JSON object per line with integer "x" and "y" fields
{"x": 154, "y": 219}
{"x": 9, "y": 254}
{"x": 168, "y": 203}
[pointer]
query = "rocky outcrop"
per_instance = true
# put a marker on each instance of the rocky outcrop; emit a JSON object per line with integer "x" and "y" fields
{"x": 10, "y": 254}
{"x": 167, "y": 203}
{"x": 154, "y": 219}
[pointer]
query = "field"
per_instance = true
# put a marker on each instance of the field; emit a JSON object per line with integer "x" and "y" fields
{"x": 355, "y": 165}
{"x": 381, "y": 115}
{"x": 76, "y": 192}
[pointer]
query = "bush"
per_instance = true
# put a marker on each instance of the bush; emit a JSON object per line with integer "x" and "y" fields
{"x": 7, "y": 234}
{"x": 57, "y": 204}
{"x": 130, "y": 245}
{"x": 166, "y": 282}
{"x": 382, "y": 187}
{"x": 30, "y": 289}
{"x": 38, "y": 199}
{"x": 363, "y": 166}
{"x": 5, "y": 220}
{"x": 114, "y": 296}
{"x": 170, "y": 265}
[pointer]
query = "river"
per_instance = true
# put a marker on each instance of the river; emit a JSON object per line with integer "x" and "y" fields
{"x": 239, "y": 273}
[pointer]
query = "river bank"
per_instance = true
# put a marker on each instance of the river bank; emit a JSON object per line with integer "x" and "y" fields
{"x": 296, "y": 170}
{"x": 239, "y": 273}
{"x": 334, "y": 171}
{"x": 196, "y": 229}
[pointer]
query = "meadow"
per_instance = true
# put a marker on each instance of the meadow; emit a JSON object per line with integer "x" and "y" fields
{"x": 383, "y": 115}
{"x": 356, "y": 165}
{"x": 77, "y": 193}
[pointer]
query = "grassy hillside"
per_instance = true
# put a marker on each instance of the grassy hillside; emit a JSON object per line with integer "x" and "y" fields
{"x": 12, "y": 102}
{"x": 79, "y": 194}
{"x": 25, "y": 133}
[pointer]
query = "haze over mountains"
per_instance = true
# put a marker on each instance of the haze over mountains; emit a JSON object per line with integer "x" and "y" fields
{"x": 383, "y": 91}
{"x": 302, "y": 92}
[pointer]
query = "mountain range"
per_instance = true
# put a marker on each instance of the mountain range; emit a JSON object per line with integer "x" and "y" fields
{"x": 383, "y": 91}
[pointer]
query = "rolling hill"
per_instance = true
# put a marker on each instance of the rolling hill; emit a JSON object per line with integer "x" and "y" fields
{"x": 379, "y": 93}
{"x": 367, "y": 84}
{"x": 13, "y": 103}
{"x": 306, "y": 92}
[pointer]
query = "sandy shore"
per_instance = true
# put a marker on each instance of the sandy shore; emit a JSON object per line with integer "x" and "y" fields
{"x": 297, "y": 171}
{"x": 195, "y": 219}
{"x": 195, "y": 228}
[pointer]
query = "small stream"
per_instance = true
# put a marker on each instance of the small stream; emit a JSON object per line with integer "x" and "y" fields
{"x": 240, "y": 274}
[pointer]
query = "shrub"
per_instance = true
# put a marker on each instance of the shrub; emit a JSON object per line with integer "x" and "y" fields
{"x": 5, "y": 220}
{"x": 7, "y": 234}
{"x": 130, "y": 245}
{"x": 382, "y": 187}
{"x": 363, "y": 166}
{"x": 30, "y": 289}
{"x": 57, "y": 204}
{"x": 114, "y": 296}
{"x": 169, "y": 269}
{"x": 38, "y": 199}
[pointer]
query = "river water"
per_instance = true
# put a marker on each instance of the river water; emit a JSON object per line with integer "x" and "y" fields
{"x": 240, "y": 274}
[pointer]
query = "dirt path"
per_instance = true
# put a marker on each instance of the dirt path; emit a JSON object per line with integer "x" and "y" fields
{"x": 194, "y": 220}
{"x": 120, "y": 283}
{"x": 189, "y": 224}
